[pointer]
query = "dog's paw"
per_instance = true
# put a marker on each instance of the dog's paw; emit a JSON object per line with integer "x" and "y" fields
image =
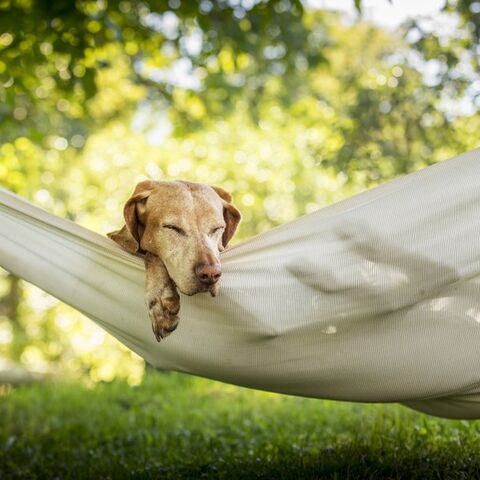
{"x": 163, "y": 308}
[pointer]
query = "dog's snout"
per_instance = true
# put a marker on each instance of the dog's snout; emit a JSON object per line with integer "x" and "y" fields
{"x": 208, "y": 273}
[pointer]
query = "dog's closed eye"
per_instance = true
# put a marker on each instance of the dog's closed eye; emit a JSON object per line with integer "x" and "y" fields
{"x": 179, "y": 230}
{"x": 216, "y": 229}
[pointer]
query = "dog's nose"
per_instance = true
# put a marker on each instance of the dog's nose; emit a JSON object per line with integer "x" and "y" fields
{"x": 208, "y": 274}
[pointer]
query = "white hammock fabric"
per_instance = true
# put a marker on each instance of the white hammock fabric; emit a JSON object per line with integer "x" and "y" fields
{"x": 373, "y": 299}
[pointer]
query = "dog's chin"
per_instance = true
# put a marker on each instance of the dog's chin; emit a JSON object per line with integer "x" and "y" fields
{"x": 194, "y": 289}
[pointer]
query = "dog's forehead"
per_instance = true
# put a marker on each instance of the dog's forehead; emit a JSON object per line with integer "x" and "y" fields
{"x": 183, "y": 190}
{"x": 185, "y": 196}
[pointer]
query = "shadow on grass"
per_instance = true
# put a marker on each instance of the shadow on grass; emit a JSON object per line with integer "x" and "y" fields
{"x": 122, "y": 458}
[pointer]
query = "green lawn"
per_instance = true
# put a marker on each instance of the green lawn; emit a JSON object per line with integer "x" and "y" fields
{"x": 176, "y": 426}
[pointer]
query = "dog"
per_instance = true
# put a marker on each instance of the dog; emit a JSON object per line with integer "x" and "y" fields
{"x": 179, "y": 228}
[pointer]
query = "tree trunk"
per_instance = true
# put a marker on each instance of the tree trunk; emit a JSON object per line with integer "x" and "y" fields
{"x": 10, "y": 307}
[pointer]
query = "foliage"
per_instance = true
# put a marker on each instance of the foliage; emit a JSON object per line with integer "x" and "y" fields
{"x": 448, "y": 50}
{"x": 54, "y": 56}
{"x": 174, "y": 426}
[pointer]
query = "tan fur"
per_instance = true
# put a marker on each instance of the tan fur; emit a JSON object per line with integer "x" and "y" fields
{"x": 186, "y": 259}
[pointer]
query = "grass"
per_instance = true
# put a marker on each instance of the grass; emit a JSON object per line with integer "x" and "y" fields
{"x": 175, "y": 426}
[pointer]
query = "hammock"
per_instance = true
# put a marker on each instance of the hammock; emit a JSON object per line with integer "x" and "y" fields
{"x": 373, "y": 299}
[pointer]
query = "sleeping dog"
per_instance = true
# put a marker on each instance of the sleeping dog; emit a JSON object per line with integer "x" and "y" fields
{"x": 179, "y": 228}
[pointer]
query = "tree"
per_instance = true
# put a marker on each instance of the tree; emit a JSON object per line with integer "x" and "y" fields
{"x": 448, "y": 50}
{"x": 195, "y": 56}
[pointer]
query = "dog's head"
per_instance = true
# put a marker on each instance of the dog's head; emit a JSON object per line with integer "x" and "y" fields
{"x": 186, "y": 224}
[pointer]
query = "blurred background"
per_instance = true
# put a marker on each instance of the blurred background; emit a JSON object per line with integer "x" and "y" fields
{"x": 290, "y": 105}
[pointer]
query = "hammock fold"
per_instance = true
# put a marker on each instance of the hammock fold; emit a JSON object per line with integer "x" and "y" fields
{"x": 373, "y": 299}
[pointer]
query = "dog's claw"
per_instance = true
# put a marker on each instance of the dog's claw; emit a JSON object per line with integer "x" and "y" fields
{"x": 172, "y": 328}
{"x": 157, "y": 334}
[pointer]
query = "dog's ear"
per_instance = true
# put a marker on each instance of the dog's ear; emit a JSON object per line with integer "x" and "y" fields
{"x": 231, "y": 215}
{"x": 130, "y": 235}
